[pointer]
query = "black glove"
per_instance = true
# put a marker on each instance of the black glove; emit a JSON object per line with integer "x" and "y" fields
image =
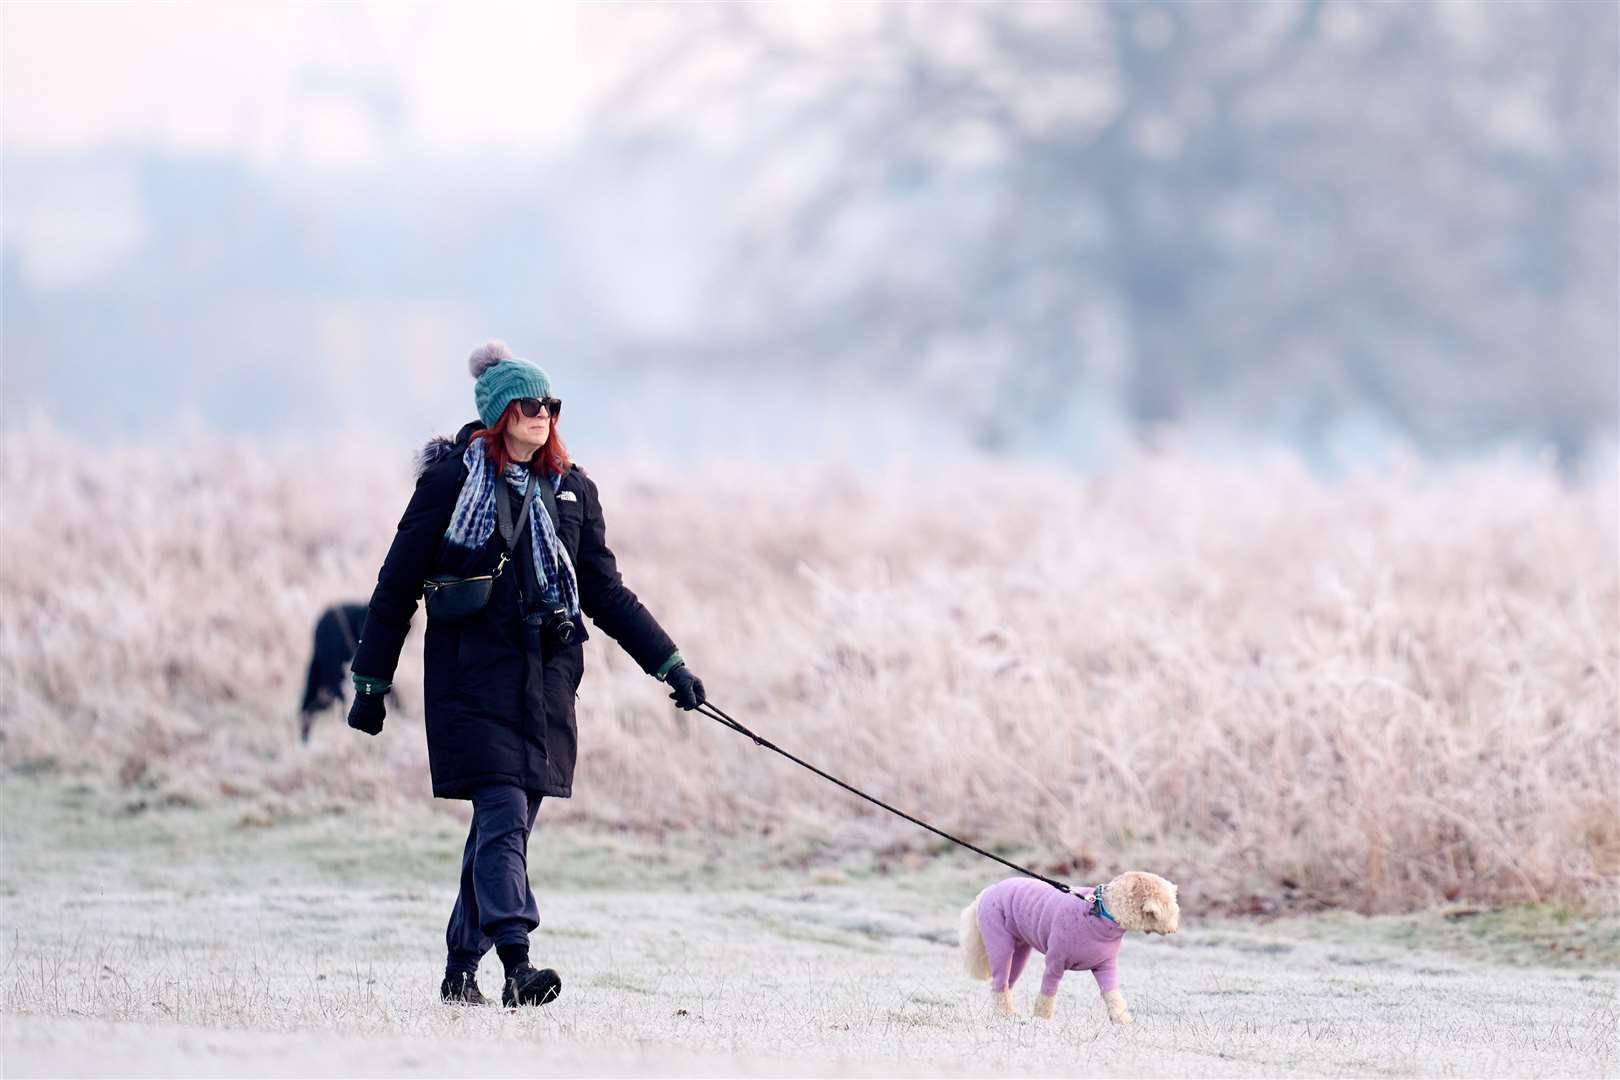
{"x": 687, "y": 686}
{"x": 367, "y": 712}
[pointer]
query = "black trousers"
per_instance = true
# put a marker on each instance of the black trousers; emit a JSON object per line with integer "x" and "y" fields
{"x": 495, "y": 906}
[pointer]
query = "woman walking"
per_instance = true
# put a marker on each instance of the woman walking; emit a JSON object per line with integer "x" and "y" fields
{"x": 501, "y": 674}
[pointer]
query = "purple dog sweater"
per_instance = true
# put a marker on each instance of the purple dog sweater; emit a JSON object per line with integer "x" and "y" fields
{"x": 1020, "y": 914}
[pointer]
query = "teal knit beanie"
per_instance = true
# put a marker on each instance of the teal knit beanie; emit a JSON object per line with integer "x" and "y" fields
{"x": 502, "y": 379}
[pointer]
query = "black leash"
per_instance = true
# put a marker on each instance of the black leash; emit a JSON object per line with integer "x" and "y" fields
{"x": 714, "y": 712}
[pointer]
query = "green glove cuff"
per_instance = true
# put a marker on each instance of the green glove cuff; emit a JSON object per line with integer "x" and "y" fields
{"x": 365, "y": 684}
{"x": 670, "y": 665}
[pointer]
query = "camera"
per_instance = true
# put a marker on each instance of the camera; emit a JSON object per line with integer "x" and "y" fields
{"x": 556, "y": 627}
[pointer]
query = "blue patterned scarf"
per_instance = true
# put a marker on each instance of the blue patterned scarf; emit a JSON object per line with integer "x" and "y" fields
{"x": 473, "y": 521}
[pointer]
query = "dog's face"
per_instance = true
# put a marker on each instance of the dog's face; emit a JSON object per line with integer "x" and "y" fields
{"x": 1143, "y": 901}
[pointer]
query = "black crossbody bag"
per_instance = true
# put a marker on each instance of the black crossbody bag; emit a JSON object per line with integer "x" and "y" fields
{"x": 452, "y": 599}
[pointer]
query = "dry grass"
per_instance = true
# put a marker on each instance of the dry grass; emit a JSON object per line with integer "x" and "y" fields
{"x": 1384, "y": 692}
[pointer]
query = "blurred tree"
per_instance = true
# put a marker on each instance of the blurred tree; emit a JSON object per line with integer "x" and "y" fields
{"x": 1286, "y": 214}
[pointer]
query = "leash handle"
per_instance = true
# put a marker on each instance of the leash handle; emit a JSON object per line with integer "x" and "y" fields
{"x": 715, "y": 713}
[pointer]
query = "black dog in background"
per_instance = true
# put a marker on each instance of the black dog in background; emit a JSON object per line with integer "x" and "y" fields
{"x": 337, "y": 635}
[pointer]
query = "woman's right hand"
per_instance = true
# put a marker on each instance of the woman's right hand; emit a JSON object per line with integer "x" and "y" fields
{"x": 367, "y": 712}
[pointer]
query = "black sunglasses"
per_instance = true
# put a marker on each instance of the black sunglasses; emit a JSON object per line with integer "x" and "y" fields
{"x": 532, "y": 406}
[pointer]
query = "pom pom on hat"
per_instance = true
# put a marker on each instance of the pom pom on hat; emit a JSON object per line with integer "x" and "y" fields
{"x": 487, "y": 356}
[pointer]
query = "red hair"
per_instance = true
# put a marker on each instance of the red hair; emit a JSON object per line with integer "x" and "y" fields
{"x": 552, "y": 458}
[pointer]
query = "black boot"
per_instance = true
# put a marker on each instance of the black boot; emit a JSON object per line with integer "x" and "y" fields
{"x": 461, "y": 989}
{"x": 527, "y": 985}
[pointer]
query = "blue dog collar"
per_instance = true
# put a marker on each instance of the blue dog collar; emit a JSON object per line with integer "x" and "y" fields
{"x": 1098, "y": 907}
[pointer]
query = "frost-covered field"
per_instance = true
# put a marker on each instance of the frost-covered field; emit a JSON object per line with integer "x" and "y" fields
{"x": 1382, "y": 693}
{"x": 176, "y": 941}
{"x": 1394, "y": 694}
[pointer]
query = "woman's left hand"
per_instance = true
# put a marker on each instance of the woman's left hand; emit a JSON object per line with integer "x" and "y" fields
{"x": 688, "y": 688}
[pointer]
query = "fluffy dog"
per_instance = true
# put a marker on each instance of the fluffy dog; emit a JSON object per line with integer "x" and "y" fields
{"x": 1078, "y": 931}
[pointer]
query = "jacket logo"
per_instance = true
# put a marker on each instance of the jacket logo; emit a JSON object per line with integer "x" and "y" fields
{"x": 567, "y": 496}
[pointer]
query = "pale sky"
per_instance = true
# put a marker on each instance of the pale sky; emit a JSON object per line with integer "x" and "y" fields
{"x": 310, "y": 85}
{"x": 302, "y": 90}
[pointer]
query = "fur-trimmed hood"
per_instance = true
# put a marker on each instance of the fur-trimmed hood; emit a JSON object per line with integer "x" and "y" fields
{"x": 438, "y": 448}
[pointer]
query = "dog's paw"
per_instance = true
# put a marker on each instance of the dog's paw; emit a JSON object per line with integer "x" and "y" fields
{"x": 1003, "y": 1004}
{"x": 1045, "y": 1007}
{"x": 1117, "y": 1010}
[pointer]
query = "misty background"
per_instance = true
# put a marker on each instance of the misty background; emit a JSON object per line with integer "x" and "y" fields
{"x": 1061, "y": 230}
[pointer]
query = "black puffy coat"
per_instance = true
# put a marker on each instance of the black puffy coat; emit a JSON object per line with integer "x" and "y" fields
{"x": 494, "y": 711}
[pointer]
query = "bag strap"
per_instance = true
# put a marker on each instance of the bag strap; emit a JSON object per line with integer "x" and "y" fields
{"x": 528, "y": 587}
{"x": 503, "y": 511}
